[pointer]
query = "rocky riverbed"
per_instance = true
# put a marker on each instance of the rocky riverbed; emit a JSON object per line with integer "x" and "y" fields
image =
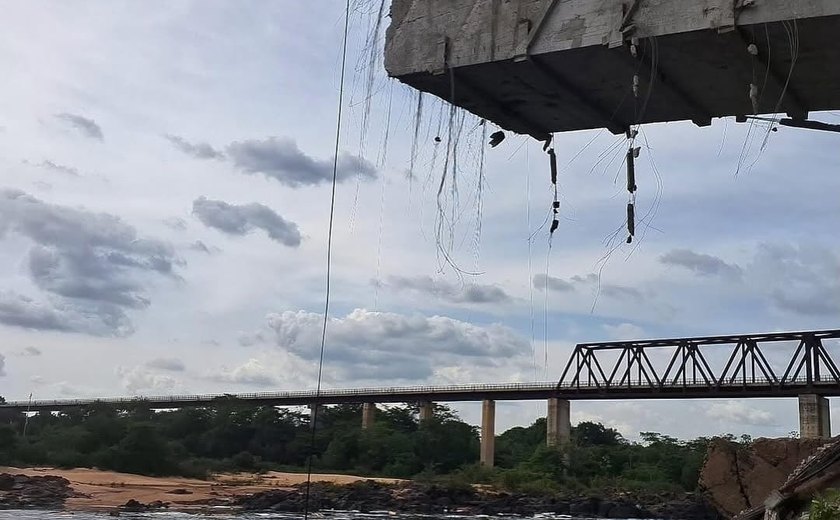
{"x": 735, "y": 477}
{"x": 435, "y": 499}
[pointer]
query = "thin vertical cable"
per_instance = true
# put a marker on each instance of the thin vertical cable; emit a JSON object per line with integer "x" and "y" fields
{"x": 329, "y": 259}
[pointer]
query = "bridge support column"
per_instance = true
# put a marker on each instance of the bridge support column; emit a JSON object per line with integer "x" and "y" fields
{"x": 488, "y": 433}
{"x": 368, "y": 415}
{"x": 558, "y": 423}
{"x": 814, "y": 417}
{"x": 316, "y": 413}
{"x": 427, "y": 411}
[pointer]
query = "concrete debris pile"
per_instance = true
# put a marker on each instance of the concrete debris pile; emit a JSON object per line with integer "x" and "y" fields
{"x": 812, "y": 476}
{"x": 737, "y": 477}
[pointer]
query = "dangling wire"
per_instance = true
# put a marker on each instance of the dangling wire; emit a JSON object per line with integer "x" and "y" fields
{"x": 329, "y": 260}
{"x": 418, "y": 120}
{"x": 555, "y": 205}
{"x": 632, "y": 150}
{"x": 479, "y": 202}
{"x": 548, "y": 147}
{"x": 632, "y": 154}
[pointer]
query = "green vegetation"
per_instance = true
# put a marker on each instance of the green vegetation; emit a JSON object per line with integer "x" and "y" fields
{"x": 230, "y": 437}
{"x": 826, "y": 506}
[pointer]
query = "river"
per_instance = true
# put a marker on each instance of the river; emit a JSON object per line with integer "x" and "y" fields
{"x": 221, "y": 515}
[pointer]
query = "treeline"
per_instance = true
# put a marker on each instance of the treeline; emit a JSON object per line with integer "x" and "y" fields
{"x": 230, "y": 437}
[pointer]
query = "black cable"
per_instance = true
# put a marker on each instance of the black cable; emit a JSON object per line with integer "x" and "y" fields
{"x": 329, "y": 261}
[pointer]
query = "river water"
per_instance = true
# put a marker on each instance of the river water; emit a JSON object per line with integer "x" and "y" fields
{"x": 221, "y": 515}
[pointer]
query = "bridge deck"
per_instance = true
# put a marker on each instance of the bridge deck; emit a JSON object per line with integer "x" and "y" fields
{"x": 455, "y": 393}
{"x": 811, "y": 369}
{"x": 540, "y": 66}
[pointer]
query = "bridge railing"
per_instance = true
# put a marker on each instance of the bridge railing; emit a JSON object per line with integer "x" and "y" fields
{"x": 409, "y": 393}
{"x": 302, "y": 394}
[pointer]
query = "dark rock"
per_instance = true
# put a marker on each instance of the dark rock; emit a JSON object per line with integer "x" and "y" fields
{"x": 134, "y": 506}
{"x": 584, "y": 507}
{"x": 626, "y": 510}
{"x": 688, "y": 508}
{"x": 39, "y": 492}
{"x": 179, "y": 491}
{"x": 422, "y": 498}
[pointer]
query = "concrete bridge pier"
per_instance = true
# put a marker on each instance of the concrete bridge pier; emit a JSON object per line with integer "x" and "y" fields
{"x": 368, "y": 415}
{"x": 488, "y": 433}
{"x": 558, "y": 423}
{"x": 814, "y": 417}
{"x": 316, "y": 413}
{"x": 427, "y": 411}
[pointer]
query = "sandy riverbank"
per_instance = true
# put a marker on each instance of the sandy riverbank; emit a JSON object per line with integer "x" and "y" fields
{"x": 106, "y": 490}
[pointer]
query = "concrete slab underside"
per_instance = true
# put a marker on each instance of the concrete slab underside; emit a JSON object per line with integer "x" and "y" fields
{"x": 539, "y": 66}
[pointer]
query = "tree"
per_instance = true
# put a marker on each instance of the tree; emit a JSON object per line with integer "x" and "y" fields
{"x": 8, "y": 443}
{"x": 596, "y": 434}
{"x": 518, "y": 444}
{"x": 143, "y": 450}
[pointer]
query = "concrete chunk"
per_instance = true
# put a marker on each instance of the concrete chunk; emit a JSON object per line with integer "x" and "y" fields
{"x": 540, "y": 66}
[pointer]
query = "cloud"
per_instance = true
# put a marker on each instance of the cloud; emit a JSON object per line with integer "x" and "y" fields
{"x": 283, "y": 161}
{"x": 201, "y": 247}
{"x": 589, "y": 278}
{"x": 737, "y": 412}
{"x": 60, "y": 168}
{"x": 234, "y": 219}
{"x": 87, "y": 127}
{"x": 96, "y": 263}
{"x": 701, "y": 264}
{"x": 541, "y": 281}
{"x": 140, "y": 380}
{"x": 170, "y": 364}
{"x": 176, "y": 223}
{"x": 624, "y": 331}
{"x": 99, "y": 320}
{"x": 250, "y": 339}
{"x": 196, "y": 150}
{"x": 251, "y": 373}
{"x": 31, "y": 351}
{"x": 2, "y": 365}
{"x": 802, "y": 280}
{"x": 381, "y": 345}
{"x": 592, "y": 281}
{"x": 620, "y": 292}
{"x": 470, "y": 293}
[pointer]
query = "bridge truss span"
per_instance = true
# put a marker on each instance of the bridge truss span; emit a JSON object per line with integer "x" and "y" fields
{"x": 774, "y": 364}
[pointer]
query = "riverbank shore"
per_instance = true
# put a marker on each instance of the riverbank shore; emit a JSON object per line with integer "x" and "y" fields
{"x": 98, "y": 490}
{"x": 106, "y": 491}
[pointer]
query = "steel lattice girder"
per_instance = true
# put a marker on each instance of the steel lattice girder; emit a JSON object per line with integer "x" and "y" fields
{"x": 809, "y": 363}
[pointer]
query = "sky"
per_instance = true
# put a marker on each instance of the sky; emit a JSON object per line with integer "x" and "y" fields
{"x": 165, "y": 202}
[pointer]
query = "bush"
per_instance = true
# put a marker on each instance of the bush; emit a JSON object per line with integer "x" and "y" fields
{"x": 826, "y": 506}
{"x": 244, "y": 461}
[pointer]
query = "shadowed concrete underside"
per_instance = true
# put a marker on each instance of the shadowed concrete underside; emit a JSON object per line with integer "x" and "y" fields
{"x": 541, "y": 66}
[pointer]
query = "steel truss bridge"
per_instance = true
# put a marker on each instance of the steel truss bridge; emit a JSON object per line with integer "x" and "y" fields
{"x": 611, "y": 370}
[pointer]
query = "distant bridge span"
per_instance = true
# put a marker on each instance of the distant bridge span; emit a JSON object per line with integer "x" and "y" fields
{"x": 798, "y": 364}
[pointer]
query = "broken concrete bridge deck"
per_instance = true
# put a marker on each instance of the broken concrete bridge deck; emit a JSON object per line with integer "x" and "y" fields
{"x": 541, "y": 66}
